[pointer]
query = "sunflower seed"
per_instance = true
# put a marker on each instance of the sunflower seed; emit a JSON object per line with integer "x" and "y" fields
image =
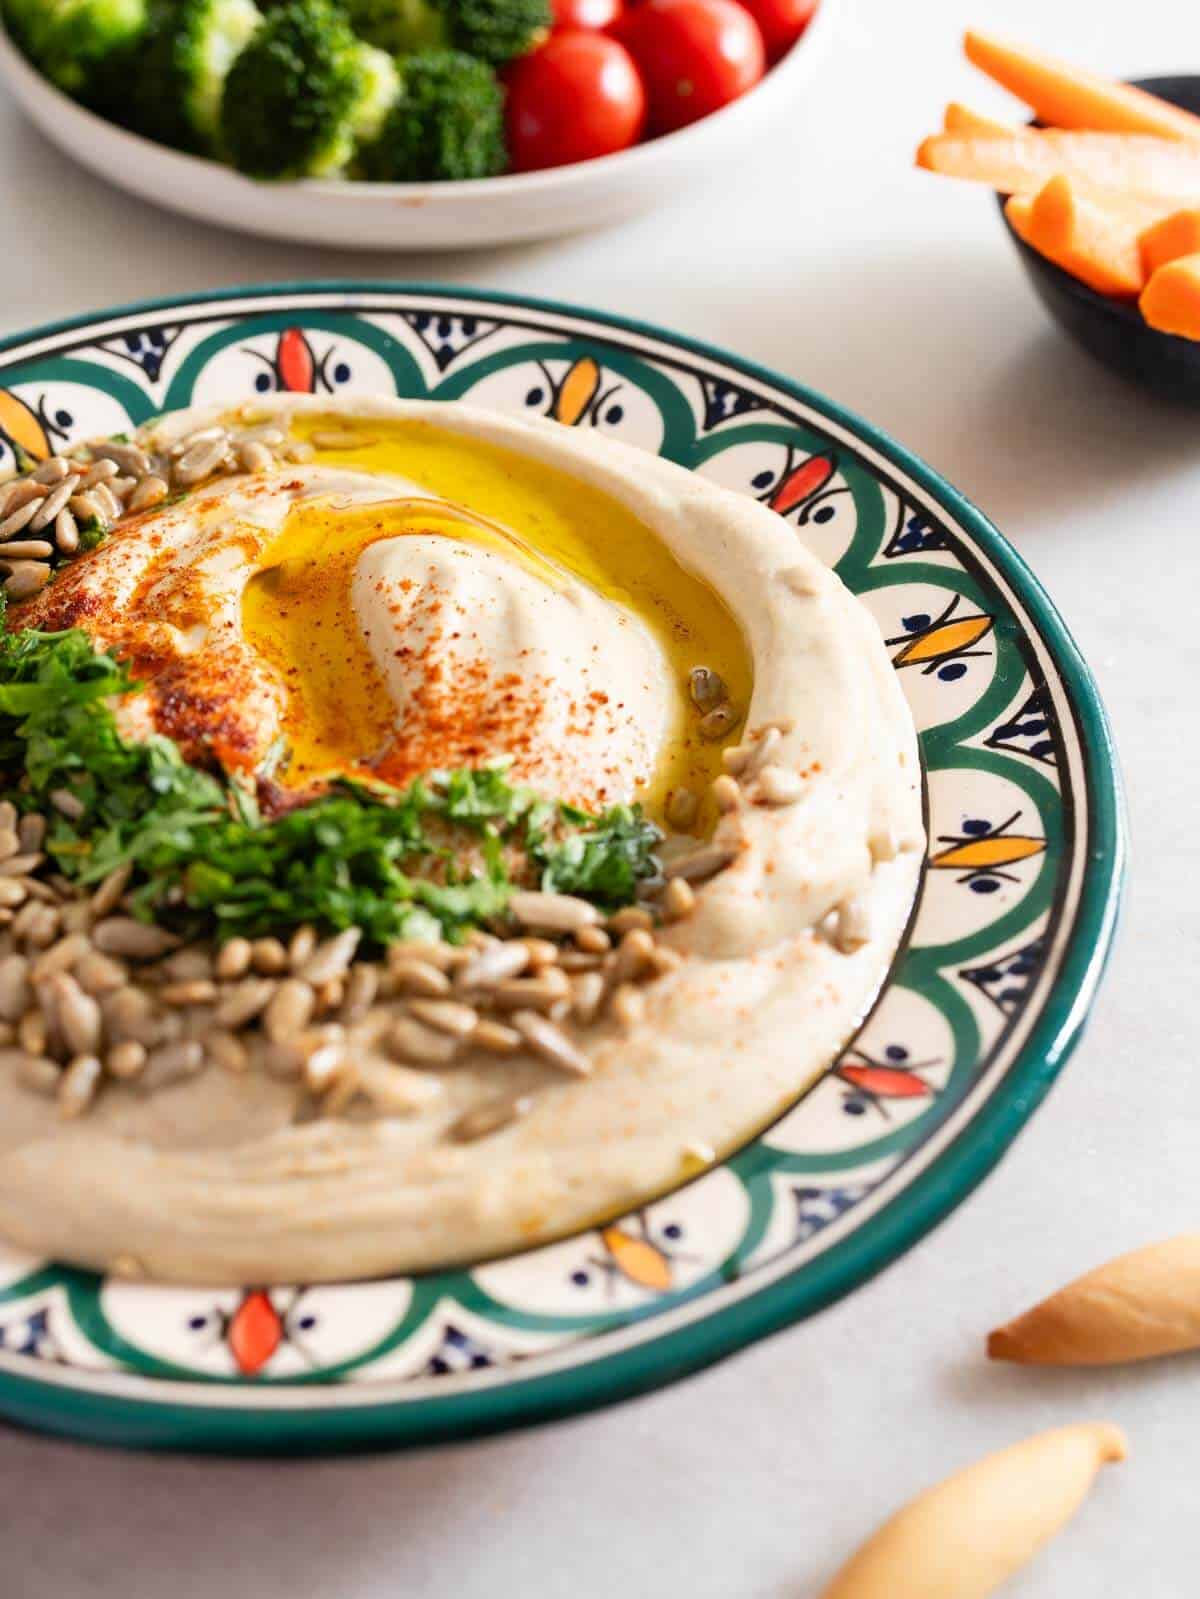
{"x": 108, "y": 896}
{"x": 97, "y": 974}
{"x": 852, "y": 927}
{"x": 78, "y": 1085}
{"x": 244, "y": 1002}
{"x": 25, "y": 579}
{"x": 533, "y": 993}
{"x": 52, "y": 470}
{"x": 228, "y": 1051}
{"x": 128, "y": 457}
{"x": 289, "y": 1010}
{"x": 99, "y": 472}
{"x": 33, "y": 1032}
{"x": 628, "y": 1005}
{"x": 445, "y": 1016}
{"x": 551, "y": 1043}
{"x": 268, "y": 956}
{"x": 195, "y": 991}
{"x": 587, "y": 991}
{"x": 431, "y": 954}
{"x": 150, "y": 491}
{"x": 169, "y": 1064}
{"x": 629, "y": 919}
{"x": 233, "y": 959}
{"x": 778, "y": 786}
{"x": 12, "y": 892}
{"x": 332, "y": 958}
{"x": 361, "y": 989}
{"x": 410, "y": 1041}
{"x": 21, "y": 517}
{"x": 123, "y": 487}
{"x": 542, "y": 952}
{"x": 678, "y": 900}
{"x": 418, "y": 977}
{"x": 339, "y": 439}
{"x": 201, "y": 458}
{"x": 78, "y": 1015}
{"x": 21, "y": 865}
{"x": 87, "y": 508}
{"x": 14, "y": 987}
{"x": 10, "y": 843}
{"x": 34, "y": 1072}
{"x": 395, "y": 1090}
{"x": 483, "y": 1120}
{"x": 26, "y": 550}
{"x": 53, "y": 504}
{"x": 322, "y": 1067}
{"x": 884, "y": 845}
{"x": 495, "y": 965}
{"x": 67, "y": 804}
{"x": 60, "y": 957}
{"x": 700, "y": 864}
{"x": 255, "y": 457}
{"x": 301, "y": 945}
{"x": 552, "y": 913}
{"x": 126, "y": 1060}
{"x": 31, "y": 831}
{"x": 121, "y": 935}
{"x": 128, "y": 1013}
{"x": 495, "y": 1037}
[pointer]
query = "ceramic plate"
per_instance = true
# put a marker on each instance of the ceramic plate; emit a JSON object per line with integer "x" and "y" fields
{"x": 1007, "y": 941}
{"x": 423, "y": 216}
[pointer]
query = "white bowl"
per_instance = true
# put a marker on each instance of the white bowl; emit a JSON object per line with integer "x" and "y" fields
{"x": 417, "y": 216}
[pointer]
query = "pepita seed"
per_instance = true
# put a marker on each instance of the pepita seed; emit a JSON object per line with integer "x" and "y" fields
{"x": 681, "y": 809}
{"x": 717, "y": 722}
{"x": 707, "y": 688}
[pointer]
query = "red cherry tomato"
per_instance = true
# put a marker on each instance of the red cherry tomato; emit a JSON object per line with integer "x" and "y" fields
{"x": 781, "y": 22}
{"x": 695, "y": 56}
{"x": 577, "y": 97}
{"x": 596, "y": 14}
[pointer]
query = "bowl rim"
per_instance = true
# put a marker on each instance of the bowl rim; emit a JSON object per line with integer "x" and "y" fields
{"x": 194, "y": 168}
{"x": 205, "y": 1415}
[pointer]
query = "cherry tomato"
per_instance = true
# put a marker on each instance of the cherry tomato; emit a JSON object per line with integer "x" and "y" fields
{"x": 781, "y": 22}
{"x": 577, "y": 97}
{"x": 595, "y": 14}
{"x": 695, "y": 56}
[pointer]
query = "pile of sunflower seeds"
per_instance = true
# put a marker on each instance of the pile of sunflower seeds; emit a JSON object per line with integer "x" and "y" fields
{"x": 61, "y": 505}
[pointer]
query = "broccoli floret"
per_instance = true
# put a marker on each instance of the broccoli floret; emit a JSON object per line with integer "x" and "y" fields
{"x": 447, "y": 123}
{"x": 300, "y": 94}
{"x": 190, "y": 47}
{"x": 75, "y": 42}
{"x": 493, "y": 30}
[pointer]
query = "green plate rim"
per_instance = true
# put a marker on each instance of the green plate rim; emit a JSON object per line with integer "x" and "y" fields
{"x": 103, "y": 1417}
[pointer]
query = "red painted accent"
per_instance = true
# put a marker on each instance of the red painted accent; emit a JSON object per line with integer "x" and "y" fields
{"x": 255, "y": 1332}
{"x": 802, "y": 483}
{"x": 296, "y": 363}
{"x": 886, "y": 1082}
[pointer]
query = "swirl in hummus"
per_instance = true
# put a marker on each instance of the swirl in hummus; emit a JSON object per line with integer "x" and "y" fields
{"x": 439, "y": 587}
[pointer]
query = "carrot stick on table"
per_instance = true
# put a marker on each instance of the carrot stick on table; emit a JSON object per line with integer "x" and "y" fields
{"x": 1171, "y": 299}
{"x": 1170, "y": 237}
{"x": 1069, "y": 97}
{"x": 1022, "y": 163}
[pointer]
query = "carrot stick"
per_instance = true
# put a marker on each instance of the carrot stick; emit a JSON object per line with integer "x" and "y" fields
{"x": 960, "y": 119}
{"x": 1095, "y": 242}
{"x": 1069, "y": 97}
{"x": 1022, "y": 163}
{"x": 1171, "y": 299}
{"x": 1169, "y": 238}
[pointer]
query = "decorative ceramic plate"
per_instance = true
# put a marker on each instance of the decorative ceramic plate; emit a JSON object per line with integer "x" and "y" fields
{"x": 427, "y": 216}
{"x": 984, "y": 1002}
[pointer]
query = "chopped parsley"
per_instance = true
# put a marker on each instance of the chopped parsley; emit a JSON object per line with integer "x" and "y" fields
{"x": 433, "y": 859}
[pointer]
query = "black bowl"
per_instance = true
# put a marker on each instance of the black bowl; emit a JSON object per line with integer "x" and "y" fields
{"x": 1112, "y": 330}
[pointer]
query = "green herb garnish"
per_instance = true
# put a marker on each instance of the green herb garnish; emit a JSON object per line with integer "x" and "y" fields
{"x": 438, "y": 857}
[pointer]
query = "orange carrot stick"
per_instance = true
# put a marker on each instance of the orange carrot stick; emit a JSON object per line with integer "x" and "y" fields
{"x": 1171, "y": 299}
{"x": 1022, "y": 163}
{"x": 964, "y": 122}
{"x": 1094, "y": 242}
{"x": 1069, "y": 97}
{"x": 1169, "y": 238}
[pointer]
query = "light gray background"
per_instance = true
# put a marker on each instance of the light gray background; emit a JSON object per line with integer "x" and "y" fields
{"x": 897, "y": 294}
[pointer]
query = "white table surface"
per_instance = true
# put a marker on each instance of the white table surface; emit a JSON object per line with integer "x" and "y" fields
{"x": 896, "y": 294}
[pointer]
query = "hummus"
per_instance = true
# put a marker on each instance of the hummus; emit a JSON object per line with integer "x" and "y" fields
{"x": 461, "y": 587}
